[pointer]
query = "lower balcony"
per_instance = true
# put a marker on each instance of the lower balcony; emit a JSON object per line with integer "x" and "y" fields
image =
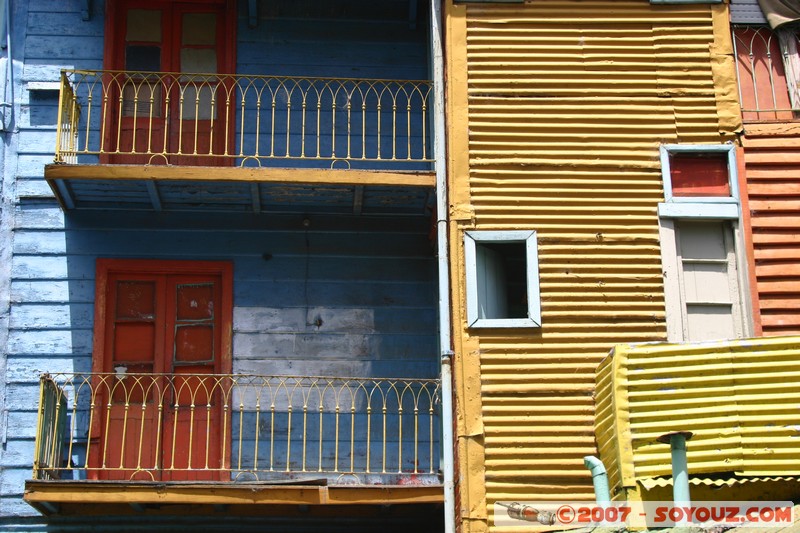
{"x": 138, "y": 443}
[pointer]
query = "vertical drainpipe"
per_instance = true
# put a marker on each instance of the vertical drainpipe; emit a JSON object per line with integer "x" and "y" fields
{"x": 8, "y": 95}
{"x": 440, "y": 154}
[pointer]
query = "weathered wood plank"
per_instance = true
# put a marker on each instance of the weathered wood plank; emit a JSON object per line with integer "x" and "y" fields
{"x": 75, "y": 291}
{"x": 34, "y": 188}
{"x": 72, "y": 315}
{"x": 249, "y": 174}
{"x": 49, "y": 342}
{"x": 71, "y": 47}
{"x": 291, "y": 293}
{"x": 331, "y": 319}
{"x": 193, "y": 493}
{"x": 40, "y": 217}
{"x": 342, "y": 367}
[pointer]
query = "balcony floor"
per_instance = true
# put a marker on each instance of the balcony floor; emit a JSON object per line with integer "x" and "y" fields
{"x": 80, "y": 497}
{"x": 236, "y": 189}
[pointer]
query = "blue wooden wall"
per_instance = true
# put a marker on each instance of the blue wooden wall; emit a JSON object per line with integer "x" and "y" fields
{"x": 346, "y": 296}
{"x": 340, "y": 39}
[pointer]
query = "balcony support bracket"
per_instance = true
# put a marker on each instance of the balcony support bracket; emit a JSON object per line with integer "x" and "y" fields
{"x": 154, "y": 197}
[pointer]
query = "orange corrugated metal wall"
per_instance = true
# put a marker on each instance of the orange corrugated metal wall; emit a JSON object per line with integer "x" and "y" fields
{"x": 772, "y": 169}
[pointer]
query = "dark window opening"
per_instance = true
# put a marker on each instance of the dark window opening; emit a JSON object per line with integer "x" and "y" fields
{"x": 502, "y": 280}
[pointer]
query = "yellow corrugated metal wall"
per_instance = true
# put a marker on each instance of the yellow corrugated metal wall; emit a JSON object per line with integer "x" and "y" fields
{"x": 556, "y": 111}
{"x": 739, "y": 399}
{"x": 772, "y": 168}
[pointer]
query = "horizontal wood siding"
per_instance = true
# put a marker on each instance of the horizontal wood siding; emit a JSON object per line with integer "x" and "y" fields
{"x": 568, "y": 103}
{"x": 772, "y": 166}
{"x": 349, "y": 297}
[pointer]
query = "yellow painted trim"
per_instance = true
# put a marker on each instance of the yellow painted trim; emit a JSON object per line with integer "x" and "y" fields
{"x": 237, "y": 174}
{"x": 38, "y": 440}
{"x": 723, "y": 67}
{"x": 622, "y": 421}
{"x": 469, "y": 420}
{"x": 472, "y": 515}
{"x": 457, "y": 117}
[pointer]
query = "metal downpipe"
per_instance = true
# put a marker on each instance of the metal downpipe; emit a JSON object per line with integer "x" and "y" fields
{"x": 445, "y": 340}
{"x": 680, "y": 466}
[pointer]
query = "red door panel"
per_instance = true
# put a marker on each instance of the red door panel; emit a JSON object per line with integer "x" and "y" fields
{"x": 132, "y": 347}
{"x": 184, "y": 109}
{"x": 161, "y": 335}
{"x": 194, "y": 422}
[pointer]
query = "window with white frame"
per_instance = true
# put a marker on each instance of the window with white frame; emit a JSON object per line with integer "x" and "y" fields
{"x": 502, "y": 271}
{"x": 701, "y": 249}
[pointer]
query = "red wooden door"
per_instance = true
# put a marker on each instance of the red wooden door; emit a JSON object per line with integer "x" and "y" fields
{"x": 187, "y": 108}
{"x": 193, "y": 422}
{"x": 164, "y": 339}
{"x": 134, "y": 348}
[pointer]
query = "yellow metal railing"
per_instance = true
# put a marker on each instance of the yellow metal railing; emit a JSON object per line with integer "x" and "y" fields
{"x": 50, "y": 429}
{"x": 180, "y": 118}
{"x": 162, "y": 427}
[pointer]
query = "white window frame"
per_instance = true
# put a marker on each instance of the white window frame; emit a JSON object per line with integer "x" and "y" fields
{"x": 699, "y": 208}
{"x": 528, "y": 237}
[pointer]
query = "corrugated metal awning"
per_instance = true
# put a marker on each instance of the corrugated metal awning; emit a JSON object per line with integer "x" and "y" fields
{"x": 747, "y": 12}
{"x": 773, "y": 12}
{"x": 649, "y": 483}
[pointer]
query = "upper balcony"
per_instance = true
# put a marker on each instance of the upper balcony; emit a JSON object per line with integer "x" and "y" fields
{"x": 254, "y": 130}
{"x": 768, "y": 73}
{"x": 251, "y": 106}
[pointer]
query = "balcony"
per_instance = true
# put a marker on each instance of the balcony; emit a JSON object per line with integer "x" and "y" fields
{"x": 768, "y": 73}
{"x": 242, "y": 439}
{"x": 139, "y": 134}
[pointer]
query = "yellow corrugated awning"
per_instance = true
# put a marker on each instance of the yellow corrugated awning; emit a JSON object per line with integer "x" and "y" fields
{"x": 650, "y": 483}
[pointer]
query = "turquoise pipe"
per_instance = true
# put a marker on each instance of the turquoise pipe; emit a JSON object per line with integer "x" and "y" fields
{"x": 680, "y": 470}
{"x": 599, "y": 479}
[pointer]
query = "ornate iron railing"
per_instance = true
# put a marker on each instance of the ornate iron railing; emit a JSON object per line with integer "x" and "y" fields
{"x": 213, "y": 119}
{"x": 182, "y": 427}
{"x": 768, "y": 72}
